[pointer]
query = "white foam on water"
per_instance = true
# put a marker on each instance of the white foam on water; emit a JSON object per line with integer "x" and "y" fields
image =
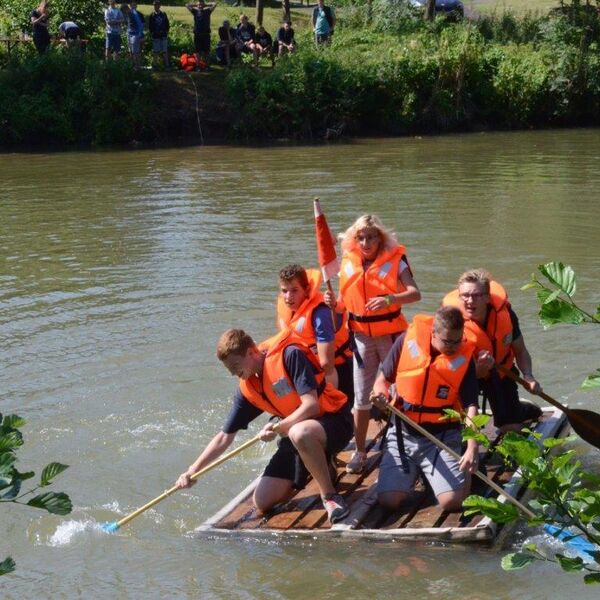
{"x": 66, "y": 531}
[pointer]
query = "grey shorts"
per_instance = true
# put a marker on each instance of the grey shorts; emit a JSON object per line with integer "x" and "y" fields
{"x": 372, "y": 351}
{"x": 134, "y": 43}
{"x": 439, "y": 467}
{"x": 160, "y": 45}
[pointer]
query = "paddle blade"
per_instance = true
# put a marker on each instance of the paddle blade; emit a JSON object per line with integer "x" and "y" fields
{"x": 586, "y": 424}
{"x": 110, "y": 527}
{"x": 578, "y": 543}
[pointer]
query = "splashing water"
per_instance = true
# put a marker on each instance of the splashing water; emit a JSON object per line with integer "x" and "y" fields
{"x": 66, "y": 531}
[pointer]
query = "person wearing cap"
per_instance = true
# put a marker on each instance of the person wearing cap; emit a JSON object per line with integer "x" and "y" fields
{"x": 158, "y": 25}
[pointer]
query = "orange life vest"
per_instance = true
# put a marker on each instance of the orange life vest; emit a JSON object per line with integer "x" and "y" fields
{"x": 427, "y": 386}
{"x": 301, "y": 320}
{"x": 274, "y": 391}
{"x": 188, "y": 62}
{"x": 497, "y": 336}
{"x": 357, "y": 286}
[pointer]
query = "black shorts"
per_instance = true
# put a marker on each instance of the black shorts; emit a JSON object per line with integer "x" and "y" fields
{"x": 202, "y": 42}
{"x": 503, "y": 396}
{"x": 72, "y": 33}
{"x": 286, "y": 463}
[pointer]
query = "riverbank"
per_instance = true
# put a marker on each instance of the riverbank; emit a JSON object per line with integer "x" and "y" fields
{"x": 394, "y": 76}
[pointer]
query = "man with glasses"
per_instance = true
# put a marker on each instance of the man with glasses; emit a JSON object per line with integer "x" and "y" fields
{"x": 492, "y": 325}
{"x": 433, "y": 370}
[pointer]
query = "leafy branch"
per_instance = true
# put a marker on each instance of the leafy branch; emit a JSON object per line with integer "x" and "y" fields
{"x": 11, "y": 480}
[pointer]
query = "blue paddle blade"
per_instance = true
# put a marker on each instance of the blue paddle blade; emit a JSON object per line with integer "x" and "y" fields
{"x": 110, "y": 527}
{"x": 578, "y": 543}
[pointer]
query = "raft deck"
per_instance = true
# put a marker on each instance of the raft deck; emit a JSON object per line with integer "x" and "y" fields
{"x": 422, "y": 519}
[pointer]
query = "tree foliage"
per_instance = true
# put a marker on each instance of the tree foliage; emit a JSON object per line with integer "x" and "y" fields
{"x": 11, "y": 480}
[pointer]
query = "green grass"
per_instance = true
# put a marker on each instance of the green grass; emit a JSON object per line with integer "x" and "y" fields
{"x": 515, "y": 6}
{"x": 271, "y": 20}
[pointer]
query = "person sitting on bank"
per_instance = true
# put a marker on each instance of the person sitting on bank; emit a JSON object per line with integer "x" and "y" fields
{"x": 70, "y": 32}
{"x": 301, "y": 307}
{"x": 226, "y": 48}
{"x": 39, "y": 21}
{"x": 202, "y": 12}
{"x": 323, "y": 20}
{"x": 158, "y": 25}
{"x": 245, "y": 34}
{"x": 264, "y": 44}
{"x": 492, "y": 325}
{"x": 376, "y": 281}
{"x": 284, "y": 40}
{"x": 282, "y": 377}
{"x": 432, "y": 368}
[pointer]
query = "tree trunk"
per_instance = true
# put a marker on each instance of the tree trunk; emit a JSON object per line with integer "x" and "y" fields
{"x": 430, "y": 10}
{"x": 286, "y": 10}
{"x": 260, "y": 6}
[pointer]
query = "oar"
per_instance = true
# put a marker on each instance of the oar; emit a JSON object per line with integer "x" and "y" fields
{"x": 585, "y": 423}
{"x": 115, "y": 525}
{"x": 382, "y": 404}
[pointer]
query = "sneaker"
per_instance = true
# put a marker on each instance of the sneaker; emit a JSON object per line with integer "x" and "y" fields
{"x": 336, "y": 508}
{"x": 357, "y": 462}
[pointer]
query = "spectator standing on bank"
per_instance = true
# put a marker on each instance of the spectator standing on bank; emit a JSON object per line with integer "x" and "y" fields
{"x": 284, "y": 39}
{"x": 114, "y": 19}
{"x": 202, "y": 12}
{"x": 39, "y": 20}
{"x": 323, "y": 21}
{"x": 135, "y": 33}
{"x": 70, "y": 32}
{"x": 158, "y": 25}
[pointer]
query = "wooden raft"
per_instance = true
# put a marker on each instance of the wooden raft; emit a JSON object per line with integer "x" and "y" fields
{"x": 422, "y": 519}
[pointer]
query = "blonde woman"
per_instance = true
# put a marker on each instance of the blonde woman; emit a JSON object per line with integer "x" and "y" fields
{"x": 39, "y": 21}
{"x": 375, "y": 281}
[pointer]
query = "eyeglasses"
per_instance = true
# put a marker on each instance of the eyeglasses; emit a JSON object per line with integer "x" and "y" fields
{"x": 372, "y": 237}
{"x": 473, "y": 296}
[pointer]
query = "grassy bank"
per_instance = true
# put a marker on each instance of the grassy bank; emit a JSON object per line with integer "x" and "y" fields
{"x": 394, "y": 75}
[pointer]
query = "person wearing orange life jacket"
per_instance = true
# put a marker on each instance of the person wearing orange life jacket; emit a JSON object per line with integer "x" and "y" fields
{"x": 375, "y": 281}
{"x": 300, "y": 306}
{"x": 432, "y": 367}
{"x": 492, "y": 325}
{"x": 282, "y": 377}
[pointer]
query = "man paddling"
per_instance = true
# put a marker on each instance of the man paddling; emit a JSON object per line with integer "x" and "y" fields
{"x": 432, "y": 368}
{"x": 492, "y": 325}
{"x": 282, "y": 377}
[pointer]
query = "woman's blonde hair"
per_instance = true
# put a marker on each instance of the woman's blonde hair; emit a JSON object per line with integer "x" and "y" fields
{"x": 348, "y": 238}
{"x": 479, "y": 276}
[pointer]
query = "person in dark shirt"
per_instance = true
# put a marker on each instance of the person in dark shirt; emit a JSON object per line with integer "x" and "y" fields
{"x": 432, "y": 368}
{"x": 69, "y": 32}
{"x": 226, "y": 48}
{"x": 284, "y": 39}
{"x": 264, "y": 44}
{"x": 281, "y": 377}
{"x": 158, "y": 25}
{"x": 245, "y": 34}
{"x": 39, "y": 20}
{"x": 202, "y": 13}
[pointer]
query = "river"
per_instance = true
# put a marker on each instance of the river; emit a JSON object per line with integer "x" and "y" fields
{"x": 121, "y": 269}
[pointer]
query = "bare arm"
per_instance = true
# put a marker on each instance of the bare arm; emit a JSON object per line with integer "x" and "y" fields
{"x": 381, "y": 386}
{"x": 213, "y": 450}
{"x": 326, "y": 354}
{"x": 308, "y": 409}
{"x": 524, "y": 363}
{"x": 410, "y": 295}
{"x": 470, "y": 459}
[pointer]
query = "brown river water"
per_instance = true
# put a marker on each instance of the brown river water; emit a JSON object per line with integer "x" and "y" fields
{"x": 121, "y": 269}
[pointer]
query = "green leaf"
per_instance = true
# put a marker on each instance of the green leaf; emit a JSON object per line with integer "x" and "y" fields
{"x": 13, "y": 491}
{"x": 516, "y": 560}
{"x": 481, "y": 421}
{"x": 518, "y": 448}
{"x": 532, "y": 284}
{"x": 11, "y": 439}
{"x": 552, "y": 297}
{"x": 570, "y": 565}
{"x": 591, "y": 381}
{"x": 595, "y": 554}
{"x": 558, "y": 311}
{"x": 7, "y": 566}
{"x": 591, "y": 578}
{"x": 530, "y": 547}
{"x": 13, "y": 421}
{"x": 24, "y": 476}
{"x": 499, "y": 512}
{"x": 56, "y": 503}
{"x": 7, "y": 459}
{"x": 561, "y": 276}
{"x": 554, "y": 442}
{"x": 51, "y": 471}
{"x": 451, "y": 414}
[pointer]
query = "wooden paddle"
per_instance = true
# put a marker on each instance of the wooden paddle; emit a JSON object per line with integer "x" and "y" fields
{"x": 384, "y": 405}
{"x": 585, "y": 423}
{"x": 115, "y": 525}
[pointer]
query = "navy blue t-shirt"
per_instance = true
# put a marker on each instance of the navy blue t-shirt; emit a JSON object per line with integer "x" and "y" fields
{"x": 201, "y": 19}
{"x": 300, "y": 371}
{"x": 469, "y": 387}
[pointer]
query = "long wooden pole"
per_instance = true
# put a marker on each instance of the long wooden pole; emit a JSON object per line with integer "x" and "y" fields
{"x": 386, "y": 405}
